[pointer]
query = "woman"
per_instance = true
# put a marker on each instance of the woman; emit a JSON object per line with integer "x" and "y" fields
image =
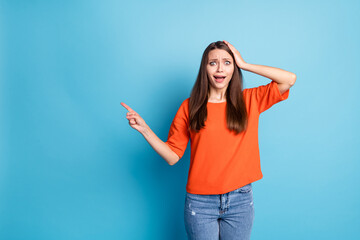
{"x": 221, "y": 119}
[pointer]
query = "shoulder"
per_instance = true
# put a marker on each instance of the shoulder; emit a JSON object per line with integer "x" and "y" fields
{"x": 263, "y": 86}
{"x": 183, "y": 110}
{"x": 247, "y": 92}
{"x": 184, "y": 106}
{"x": 260, "y": 89}
{"x": 185, "y": 103}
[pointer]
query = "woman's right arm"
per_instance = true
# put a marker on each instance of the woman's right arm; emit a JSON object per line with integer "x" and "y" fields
{"x": 160, "y": 147}
{"x": 136, "y": 122}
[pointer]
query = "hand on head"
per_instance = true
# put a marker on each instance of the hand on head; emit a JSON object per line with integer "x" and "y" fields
{"x": 238, "y": 58}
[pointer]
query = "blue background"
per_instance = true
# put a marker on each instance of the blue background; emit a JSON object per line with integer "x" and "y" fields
{"x": 71, "y": 166}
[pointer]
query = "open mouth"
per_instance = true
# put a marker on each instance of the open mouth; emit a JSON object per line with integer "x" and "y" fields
{"x": 219, "y": 78}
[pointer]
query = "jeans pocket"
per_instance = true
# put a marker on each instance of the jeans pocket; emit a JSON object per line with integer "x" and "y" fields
{"x": 245, "y": 189}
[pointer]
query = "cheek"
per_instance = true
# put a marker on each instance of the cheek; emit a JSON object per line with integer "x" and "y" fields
{"x": 231, "y": 71}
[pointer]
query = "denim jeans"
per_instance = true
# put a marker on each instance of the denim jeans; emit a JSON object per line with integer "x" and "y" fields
{"x": 223, "y": 216}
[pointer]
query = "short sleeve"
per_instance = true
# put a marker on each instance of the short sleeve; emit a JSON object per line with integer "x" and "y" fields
{"x": 268, "y": 95}
{"x": 179, "y": 135}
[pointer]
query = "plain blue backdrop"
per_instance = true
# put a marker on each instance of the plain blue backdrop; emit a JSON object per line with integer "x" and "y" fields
{"x": 71, "y": 166}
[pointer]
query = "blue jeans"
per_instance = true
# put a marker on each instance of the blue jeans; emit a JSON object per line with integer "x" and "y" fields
{"x": 223, "y": 216}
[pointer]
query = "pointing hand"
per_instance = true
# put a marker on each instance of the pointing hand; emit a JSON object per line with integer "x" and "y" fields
{"x": 135, "y": 121}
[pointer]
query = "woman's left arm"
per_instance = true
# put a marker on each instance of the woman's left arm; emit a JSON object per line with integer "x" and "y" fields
{"x": 284, "y": 78}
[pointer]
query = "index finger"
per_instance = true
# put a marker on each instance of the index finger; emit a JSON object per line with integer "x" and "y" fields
{"x": 232, "y": 48}
{"x": 127, "y": 107}
{"x": 226, "y": 42}
{"x": 229, "y": 44}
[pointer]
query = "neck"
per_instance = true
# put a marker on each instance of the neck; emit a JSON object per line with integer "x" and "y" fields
{"x": 217, "y": 95}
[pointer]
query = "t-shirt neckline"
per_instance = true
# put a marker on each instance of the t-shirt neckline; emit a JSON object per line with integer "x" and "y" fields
{"x": 217, "y": 102}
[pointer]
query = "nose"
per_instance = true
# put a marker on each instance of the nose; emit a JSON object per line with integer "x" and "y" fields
{"x": 219, "y": 69}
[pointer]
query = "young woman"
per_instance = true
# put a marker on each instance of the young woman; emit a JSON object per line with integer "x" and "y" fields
{"x": 221, "y": 119}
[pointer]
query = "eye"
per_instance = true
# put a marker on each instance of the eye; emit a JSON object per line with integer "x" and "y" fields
{"x": 211, "y": 63}
{"x": 228, "y": 62}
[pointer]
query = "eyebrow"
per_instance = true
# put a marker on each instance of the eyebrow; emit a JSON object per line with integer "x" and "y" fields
{"x": 216, "y": 59}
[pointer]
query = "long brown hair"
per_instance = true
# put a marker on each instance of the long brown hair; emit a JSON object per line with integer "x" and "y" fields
{"x": 236, "y": 114}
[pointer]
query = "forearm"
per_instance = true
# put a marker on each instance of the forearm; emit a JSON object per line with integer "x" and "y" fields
{"x": 276, "y": 74}
{"x": 160, "y": 147}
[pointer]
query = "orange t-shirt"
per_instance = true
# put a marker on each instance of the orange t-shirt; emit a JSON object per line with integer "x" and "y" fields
{"x": 221, "y": 161}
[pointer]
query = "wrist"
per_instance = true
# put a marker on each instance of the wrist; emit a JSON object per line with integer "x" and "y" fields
{"x": 146, "y": 130}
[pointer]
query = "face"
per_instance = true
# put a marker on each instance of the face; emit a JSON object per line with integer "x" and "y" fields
{"x": 220, "y": 68}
